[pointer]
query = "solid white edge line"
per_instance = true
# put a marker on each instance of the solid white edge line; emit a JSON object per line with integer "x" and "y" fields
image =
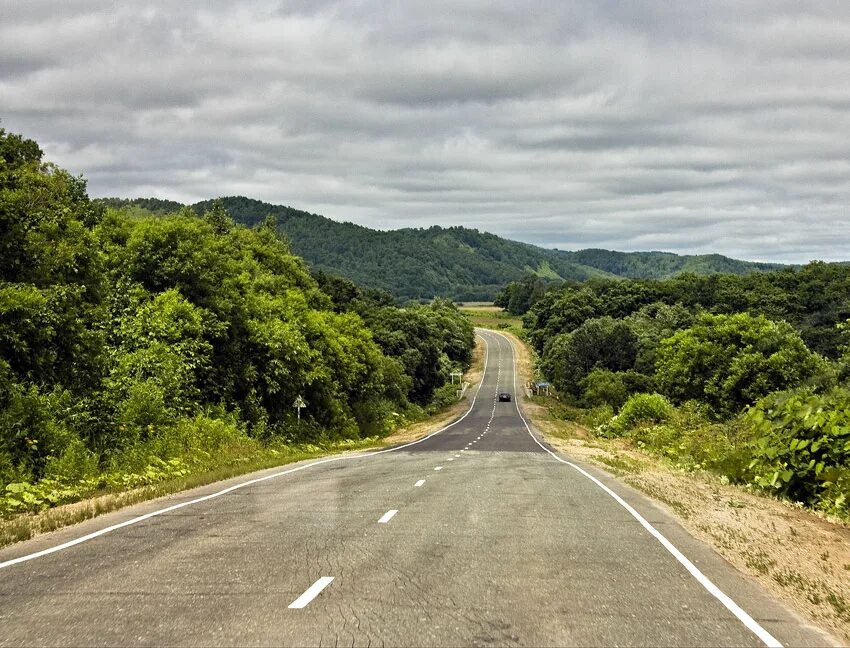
{"x": 419, "y": 483}
{"x": 753, "y": 625}
{"x": 386, "y": 517}
{"x": 312, "y": 592}
{"x": 250, "y": 482}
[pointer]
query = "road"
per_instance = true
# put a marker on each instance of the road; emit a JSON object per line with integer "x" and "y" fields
{"x": 478, "y": 535}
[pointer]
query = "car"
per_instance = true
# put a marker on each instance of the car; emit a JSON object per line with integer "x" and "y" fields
{"x": 504, "y": 397}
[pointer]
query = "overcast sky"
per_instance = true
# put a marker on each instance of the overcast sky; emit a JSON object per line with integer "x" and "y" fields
{"x": 692, "y": 126}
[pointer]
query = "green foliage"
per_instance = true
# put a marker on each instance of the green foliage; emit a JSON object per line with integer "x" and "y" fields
{"x": 801, "y": 447}
{"x": 601, "y": 387}
{"x": 134, "y": 347}
{"x": 813, "y": 299}
{"x": 455, "y": 262}
{"x": 518, "y": 296}
{"x": 730, "y": 361}
{"x": 33, "y": 429}
{"x": 793, "y": 444}
{"x": 639, "y": 410}
{"x": 692, "y": 442}
{"x": 602, "y": 343}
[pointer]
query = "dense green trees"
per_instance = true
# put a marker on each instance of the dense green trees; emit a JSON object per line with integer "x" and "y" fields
{"x": 603, "y": 343}
{"x": 731, "y": 361}
{"x": 455, "y": 262}
{"x": 518, "y": 296}
{"x": 428, "y": 340}
{"x": 746, "y": 376}
{"x": 124, "y": 335}
{"x": 813, "y": 299}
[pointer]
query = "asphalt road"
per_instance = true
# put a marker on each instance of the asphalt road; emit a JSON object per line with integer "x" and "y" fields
{"x": 477, "y": 535}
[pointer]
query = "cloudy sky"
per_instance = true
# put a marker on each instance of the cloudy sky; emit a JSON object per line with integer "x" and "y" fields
{"x": 692, "y": 126}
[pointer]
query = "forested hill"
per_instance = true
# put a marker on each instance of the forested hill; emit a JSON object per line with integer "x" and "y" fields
{"x": 455, "y": 262}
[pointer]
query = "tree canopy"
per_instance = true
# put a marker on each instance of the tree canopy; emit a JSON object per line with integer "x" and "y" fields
{"x": 119, "y": 328}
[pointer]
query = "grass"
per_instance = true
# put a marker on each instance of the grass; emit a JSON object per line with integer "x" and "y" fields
{"x": 621, "y": 464}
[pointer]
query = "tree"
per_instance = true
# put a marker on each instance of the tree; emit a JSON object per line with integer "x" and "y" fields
{"x": 730, "y": 361}
{"x": 218, "y": 218}
{"x": 603, "y": 343}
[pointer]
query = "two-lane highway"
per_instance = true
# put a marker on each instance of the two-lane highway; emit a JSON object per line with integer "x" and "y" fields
{"x": 477, "y": 535}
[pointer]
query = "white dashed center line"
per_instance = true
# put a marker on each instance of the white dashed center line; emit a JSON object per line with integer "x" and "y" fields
{"x": 386, "y": 517}
{"x": 438, "y": 468}
{"x": 312, "y": 592}
{"x": 419, "y": 483}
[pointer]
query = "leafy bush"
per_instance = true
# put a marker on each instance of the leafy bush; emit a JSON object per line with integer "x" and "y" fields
{"x": 639, "y": 410}
{"x": 33, "y": 430}
{"x": 602, "y": 343}
{"x": 604, "y": 387}
{"x": 730, "y": 361}
{"x": 601, "y": 387}
{"x": 801, "y": 447}
{"x": 692, "y": 442}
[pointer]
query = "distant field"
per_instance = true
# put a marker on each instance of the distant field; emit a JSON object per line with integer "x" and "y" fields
{"x": 485, "y": 307}
{"x": 489, "y": 316}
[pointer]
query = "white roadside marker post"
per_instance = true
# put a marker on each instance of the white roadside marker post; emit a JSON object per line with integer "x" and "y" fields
{"x": 299, "y": 403}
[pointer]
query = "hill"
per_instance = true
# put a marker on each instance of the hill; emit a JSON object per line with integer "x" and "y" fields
{"x": 455, "y": 262}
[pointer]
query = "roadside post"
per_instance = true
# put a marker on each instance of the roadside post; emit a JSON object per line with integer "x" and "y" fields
{"x": 299, "y": 403}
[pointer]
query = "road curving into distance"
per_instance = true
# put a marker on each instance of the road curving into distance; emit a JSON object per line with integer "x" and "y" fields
{"x": 478, "y": 534}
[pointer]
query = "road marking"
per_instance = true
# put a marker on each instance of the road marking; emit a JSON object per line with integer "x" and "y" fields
{"x": 753, "y": 625}
{"x": 312, "y": 592}
{"x": 451, "y": 458}
{"x": 386, "y": 517}
{"x": 457, "y": 456}
{"x": 438, "y": 468}
{"x": 419, "y": 483}
{"x": 250, "y": 482}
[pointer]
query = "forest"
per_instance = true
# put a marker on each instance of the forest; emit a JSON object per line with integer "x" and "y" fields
{"x": 746, "y": 376}
{"x": 135, "y": 347}
{"x": 453, "y": 262}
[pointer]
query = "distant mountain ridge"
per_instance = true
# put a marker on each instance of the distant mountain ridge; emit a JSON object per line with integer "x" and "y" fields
{"x": 456, "y": 262}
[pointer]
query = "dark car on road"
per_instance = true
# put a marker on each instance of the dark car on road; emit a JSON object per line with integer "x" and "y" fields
{"x": 504, "y": 397}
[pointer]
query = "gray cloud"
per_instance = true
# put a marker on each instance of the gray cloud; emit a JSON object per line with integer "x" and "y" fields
{"x": 691, "y": 127}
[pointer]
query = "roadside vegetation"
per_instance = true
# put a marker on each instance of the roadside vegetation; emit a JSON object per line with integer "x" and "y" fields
{"x": 138, "y": 349}
{"x": 742, "y": 376}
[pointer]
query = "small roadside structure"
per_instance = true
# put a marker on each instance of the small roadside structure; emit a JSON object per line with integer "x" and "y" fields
{"x": 541, "y": 387}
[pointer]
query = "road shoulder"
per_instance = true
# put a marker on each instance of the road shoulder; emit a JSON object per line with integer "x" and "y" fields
{"x": 799, "y": 557}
